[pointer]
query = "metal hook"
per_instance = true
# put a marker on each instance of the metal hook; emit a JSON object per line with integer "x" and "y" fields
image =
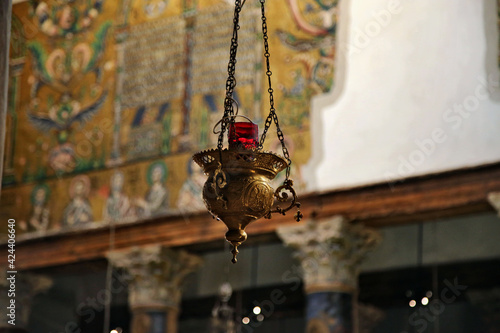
{"x": 231, "y": 116}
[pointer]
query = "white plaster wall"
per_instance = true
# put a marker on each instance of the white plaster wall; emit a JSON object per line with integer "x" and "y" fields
{"x": 411, "y": 93}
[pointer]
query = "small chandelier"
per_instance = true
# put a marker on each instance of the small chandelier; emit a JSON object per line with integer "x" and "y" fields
{"x": 223, "y": 315}
{"x": 238, "y": 189}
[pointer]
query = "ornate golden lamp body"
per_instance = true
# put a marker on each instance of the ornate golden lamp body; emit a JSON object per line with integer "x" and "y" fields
{"x": 238, "y": 189}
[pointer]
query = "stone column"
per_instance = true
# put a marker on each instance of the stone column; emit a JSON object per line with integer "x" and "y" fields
{"x": 488, "y": 301}
{"x": 330, "y": 252}
{"x": 22, "y": 288}
{"x": 156, "y": 277}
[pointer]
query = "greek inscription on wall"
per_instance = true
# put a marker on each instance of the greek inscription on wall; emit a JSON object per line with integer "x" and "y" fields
{"x": 154, "y": 62}
{"x": 212, "y": 38}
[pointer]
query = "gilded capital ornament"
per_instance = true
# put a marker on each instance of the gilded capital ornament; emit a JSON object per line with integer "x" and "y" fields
{"x": 494, "y": 200}
{"x": 156, "y": 274}
{"x": 330, "y": 252}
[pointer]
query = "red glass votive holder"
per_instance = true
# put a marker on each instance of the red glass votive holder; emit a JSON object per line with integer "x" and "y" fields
{"x": 243, "y": 135}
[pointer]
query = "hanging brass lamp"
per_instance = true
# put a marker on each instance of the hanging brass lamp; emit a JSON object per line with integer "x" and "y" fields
{"x": 238, "y": 189}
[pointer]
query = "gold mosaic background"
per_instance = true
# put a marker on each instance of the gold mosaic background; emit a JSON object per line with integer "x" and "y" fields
{"x": 108, "y": 100}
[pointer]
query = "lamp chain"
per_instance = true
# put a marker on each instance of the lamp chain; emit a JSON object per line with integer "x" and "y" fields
{"x": 272, "y": 111}
{"x": 231, "y": 84}
{"x": 231, "y": 80}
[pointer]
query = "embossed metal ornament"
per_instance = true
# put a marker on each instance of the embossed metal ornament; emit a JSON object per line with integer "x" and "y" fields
{"x": 238, "y": 189}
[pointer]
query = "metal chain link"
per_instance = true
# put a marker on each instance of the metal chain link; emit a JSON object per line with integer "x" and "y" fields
{"x": 231, "y": 80}
{"x": 231, "y": 84}
{"x": 272, "y": 111}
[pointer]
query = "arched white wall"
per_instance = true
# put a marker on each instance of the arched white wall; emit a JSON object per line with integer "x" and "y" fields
{"x": 416, "y": 92}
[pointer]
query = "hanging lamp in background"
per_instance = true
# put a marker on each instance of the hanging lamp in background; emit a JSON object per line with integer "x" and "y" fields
{"x": 223, "y": 315}
{"x": 238, "y": 189}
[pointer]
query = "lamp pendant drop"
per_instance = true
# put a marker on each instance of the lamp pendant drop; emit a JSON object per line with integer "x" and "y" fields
{"x": 238, "y": 189}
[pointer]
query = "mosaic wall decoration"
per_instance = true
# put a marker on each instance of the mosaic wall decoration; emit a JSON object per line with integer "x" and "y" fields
{"x": 108, "y": 100}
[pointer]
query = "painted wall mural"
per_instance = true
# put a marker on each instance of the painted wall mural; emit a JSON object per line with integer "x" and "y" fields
{"x": 67, "y": 86}
{"x": 78, "y": 210}
{"x": 108, "y": 100}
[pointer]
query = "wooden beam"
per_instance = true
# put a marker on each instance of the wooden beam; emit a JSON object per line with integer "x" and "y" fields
{"x": 418, "y": 199}
{"x": 5, "y": 22}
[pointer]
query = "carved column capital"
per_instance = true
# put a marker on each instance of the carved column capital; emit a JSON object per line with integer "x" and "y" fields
{"x": 23, "y": 287}
{"x": 330, "y": 252}
{"x": 156, "y": 274}
{"x": 494, "y": 200}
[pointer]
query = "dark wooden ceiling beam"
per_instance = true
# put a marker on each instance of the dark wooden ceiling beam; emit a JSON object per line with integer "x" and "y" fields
{"x": 418, "y": 199}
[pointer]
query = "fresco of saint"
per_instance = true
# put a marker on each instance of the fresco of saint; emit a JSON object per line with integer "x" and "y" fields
{"x": 78, "y": 211}
{"x": 190, "y": 195}
{"x": 118, "y": 204}
{"x": 156, "y": 200}
{"x": 39, "y": 216}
